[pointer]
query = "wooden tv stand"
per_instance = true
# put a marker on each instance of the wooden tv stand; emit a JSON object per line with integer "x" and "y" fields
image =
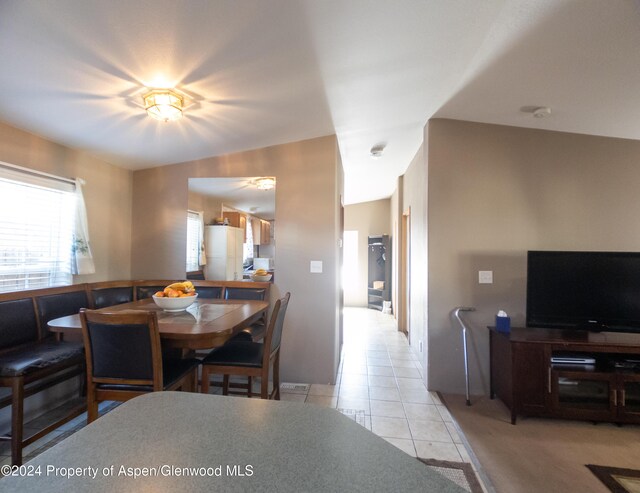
{"x": 525, "y": 379}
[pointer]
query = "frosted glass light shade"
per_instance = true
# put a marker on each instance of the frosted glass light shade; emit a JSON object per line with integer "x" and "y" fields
{"x": 163, "y": 104}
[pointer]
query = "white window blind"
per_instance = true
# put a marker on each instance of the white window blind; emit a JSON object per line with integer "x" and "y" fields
{"x": 193, "y": 240}
{"x": 247, "y": 252}
{"x": 36, "y": 230}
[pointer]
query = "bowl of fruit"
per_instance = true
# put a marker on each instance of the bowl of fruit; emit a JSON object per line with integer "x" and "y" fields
{"x": 261, "y": 275}
{"x": 176, "y": 297}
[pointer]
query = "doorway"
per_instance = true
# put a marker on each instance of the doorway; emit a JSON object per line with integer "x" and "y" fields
{"x": 404, "y": 274}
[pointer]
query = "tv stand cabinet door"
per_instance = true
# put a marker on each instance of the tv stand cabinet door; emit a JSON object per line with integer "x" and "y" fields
{"x": 531, "y": 366}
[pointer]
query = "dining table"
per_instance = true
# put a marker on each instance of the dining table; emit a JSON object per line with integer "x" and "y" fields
{"x": 207, "y": 323}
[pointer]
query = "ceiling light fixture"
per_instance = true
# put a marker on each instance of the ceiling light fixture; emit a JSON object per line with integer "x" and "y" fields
{"x": 542, "y": 112}
{"x": 267, "y": 183}
{"x": 377, "y": 151}
{"x": 163, "y": 104}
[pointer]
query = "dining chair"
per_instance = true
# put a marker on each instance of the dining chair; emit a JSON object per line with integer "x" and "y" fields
{"x": 256, "y": 331}
{"x": 124, "y": 358}
{"x": 251, "y": 359}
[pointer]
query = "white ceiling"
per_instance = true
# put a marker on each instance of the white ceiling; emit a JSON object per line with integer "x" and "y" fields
{"x": 238, "y": 193}
{"x": 265, "y": 72}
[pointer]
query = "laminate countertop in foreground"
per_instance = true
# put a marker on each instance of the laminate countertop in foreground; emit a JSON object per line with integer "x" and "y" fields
{"x": 178, "y": 441}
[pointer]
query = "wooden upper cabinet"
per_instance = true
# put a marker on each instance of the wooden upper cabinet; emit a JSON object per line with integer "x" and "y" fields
{"x": 261, "y": 231}
{"x": 237, "y": 220}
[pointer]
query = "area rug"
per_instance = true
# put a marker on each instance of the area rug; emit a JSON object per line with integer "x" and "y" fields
{"x": 460, "y": 473}
{"x": 616, "y": 479}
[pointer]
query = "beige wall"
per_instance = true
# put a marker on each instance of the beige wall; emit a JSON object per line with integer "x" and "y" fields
{"x": 308, "y": 191}
{"x": 414, "y": 201}
{"x": 368, "y": 219}
{"x": 211, "y": 206}
{"x": 496, "y": 192}
{"x": 107, "y": 195}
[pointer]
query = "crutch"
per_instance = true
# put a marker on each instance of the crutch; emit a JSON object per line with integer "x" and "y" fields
{"x": 456, "y": 314}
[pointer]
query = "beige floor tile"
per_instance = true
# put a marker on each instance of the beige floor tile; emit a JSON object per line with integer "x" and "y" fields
{"x": 354, "y": 380}
{"x": 428, "y": 412}
{"x": 383, "y": 371}
{"x": 384, "y": 394}
{"x": 433, "y": 431}
{"x": 377, "y": 354}
{"x": 292, "y": 397}
{"x": 435, "y": 398}
{"x": 401, "y": 363}
{"x": 354, "y": 370}
{"x": 403, "y": 444}
{"x": 379, "y": 362}
{"x": 415, "y": 396}
{"x": 444, "y": 412}
{"x": 464, "y": 453}
{"x": 382, "y": 381}
{"x": 320, "y": 389}
{"x": 389, "y": 409}
{"x": 436, "y": 450}
{"x": 390, "y": 427}
{"x": 354, "y": 404}
{"x": 354, "y": 391}
{"x": 411, "y": 384}
{"x": 323, "y": 400}
{"x": 453, "y": 431}
{"x": 407, "y": 372}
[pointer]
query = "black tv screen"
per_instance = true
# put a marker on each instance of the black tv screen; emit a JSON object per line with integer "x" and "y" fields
{"x": 597, "y": 291}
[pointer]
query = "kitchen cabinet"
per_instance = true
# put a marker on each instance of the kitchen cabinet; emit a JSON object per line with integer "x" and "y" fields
{"x": 223, "y": 247}
{"x": 261, "y": 231}
{"x": 237, "y": 220}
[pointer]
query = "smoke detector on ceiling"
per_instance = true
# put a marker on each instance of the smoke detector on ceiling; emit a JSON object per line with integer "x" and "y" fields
{"x": 377, "y": 151}
{"x": 541, "y": 112}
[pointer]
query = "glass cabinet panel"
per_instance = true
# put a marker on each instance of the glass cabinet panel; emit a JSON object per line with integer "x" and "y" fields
{"x": 583, "y": 393}
{"x": 631, "y": 397}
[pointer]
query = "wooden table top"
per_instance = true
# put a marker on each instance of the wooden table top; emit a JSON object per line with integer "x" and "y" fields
{"x": 205, "y": 324}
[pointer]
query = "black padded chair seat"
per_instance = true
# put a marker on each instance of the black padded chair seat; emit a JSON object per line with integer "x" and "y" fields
{"x": 172, "y": 370}
{"x": 237, "y": 353}
{"x": 39, "y": 355}
{"x": 253, "y": 333}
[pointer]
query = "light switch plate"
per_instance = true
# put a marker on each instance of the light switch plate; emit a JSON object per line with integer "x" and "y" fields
{"x": 485, "y": 277}
{"x": 315, "y": 267}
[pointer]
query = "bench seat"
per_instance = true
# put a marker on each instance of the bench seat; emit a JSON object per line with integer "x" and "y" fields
{"x": 39, "y": 355}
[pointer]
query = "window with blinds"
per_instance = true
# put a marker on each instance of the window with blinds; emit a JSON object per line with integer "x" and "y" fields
{"x": 194, "y": 234}
{"x": 36, "y": 231}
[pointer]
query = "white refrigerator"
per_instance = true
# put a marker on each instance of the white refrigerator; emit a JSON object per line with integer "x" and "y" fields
{"x": 223, "y": 247}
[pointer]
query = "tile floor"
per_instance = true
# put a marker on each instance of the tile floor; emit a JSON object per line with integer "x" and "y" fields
{"x": 379, "y": 386}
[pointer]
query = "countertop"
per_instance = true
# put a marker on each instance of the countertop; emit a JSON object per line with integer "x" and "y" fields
{"x": 176, "y": 441}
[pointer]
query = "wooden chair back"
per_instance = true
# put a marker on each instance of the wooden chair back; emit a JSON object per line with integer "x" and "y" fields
{"x": 273, "y": 336}
{"x": 122, "y": 348}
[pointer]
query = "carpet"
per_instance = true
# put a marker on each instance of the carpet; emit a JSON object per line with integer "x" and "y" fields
{"x": 460, "y": 473}
{"x": 616, "y": 479}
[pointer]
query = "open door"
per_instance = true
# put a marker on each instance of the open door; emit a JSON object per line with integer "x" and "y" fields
{"x": 404, "y": 248}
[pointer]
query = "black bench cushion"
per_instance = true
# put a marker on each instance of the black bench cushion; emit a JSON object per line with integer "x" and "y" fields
{"x": 245, "y": 294}
{"x": 111, "y": 296}
{"x": 18, "y": 324}
{"x": 143, "y": 292}
{"x": 209, "y": 292}
{"x": 39, "y": 355}
{"x": 60, "y": 305}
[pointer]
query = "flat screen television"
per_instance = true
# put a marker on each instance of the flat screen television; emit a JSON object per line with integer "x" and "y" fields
{"x": 597, "y": 291}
